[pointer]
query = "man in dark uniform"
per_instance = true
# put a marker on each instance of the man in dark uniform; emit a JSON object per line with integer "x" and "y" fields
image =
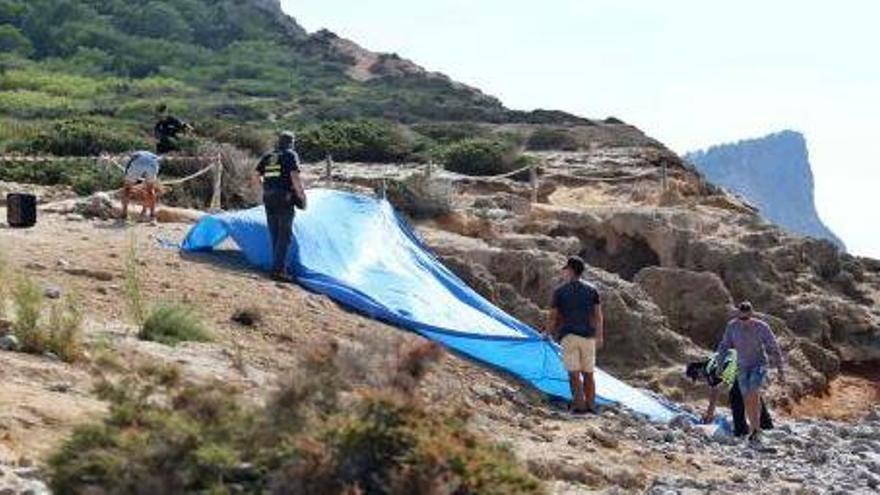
{"x": 166, "y": 130}
{"x": 282, "y": 192}
{"x": 576, "y": 318}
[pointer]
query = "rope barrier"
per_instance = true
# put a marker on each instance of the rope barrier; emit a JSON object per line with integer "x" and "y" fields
{"x": 191, "y": 176}
{"x": 114, "y": 160}
{"x": 620, "y": 178}
{"x": 53, "y": 158}
{"x": 510, "y": 174}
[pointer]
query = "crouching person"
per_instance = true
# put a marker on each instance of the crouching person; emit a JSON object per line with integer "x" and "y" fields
{"x": 576, "y": 318}
{"x": 283, "y": 191}
{"x": 719, "y": 374}
{"x": 143, "y": 166}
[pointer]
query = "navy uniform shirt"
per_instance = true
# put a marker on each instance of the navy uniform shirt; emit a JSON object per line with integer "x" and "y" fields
{"x": 277, "y": 167}
{"x": 575, "y": 302}
{"x": 169, "y": 127}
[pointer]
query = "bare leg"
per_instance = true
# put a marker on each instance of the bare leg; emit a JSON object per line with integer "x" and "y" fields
{"x": 577, "y": 390}
{"x": 152, "y": 199}
{"x": 590, "y": 391}
{"x": 753, "y": 410}
{"x": 126, "y": 193}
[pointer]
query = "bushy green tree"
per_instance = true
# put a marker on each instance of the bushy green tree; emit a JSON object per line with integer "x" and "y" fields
{"x": 481, "y": 157}
{"x": 545, "y": 139}
{"x": 85, "y": 137}
{"x": 13, "y": 41}
{"x": 11, "y": 12}
{"x": 359, "y": 141}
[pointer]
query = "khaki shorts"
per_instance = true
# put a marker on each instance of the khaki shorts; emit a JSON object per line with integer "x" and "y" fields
{"x": 579, "y": 353}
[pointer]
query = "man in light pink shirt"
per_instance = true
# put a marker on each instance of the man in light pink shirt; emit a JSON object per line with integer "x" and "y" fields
{"x": 754, "y": 342}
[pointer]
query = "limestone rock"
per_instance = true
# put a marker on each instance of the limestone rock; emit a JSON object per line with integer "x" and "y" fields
{"x": 697, "y": 304}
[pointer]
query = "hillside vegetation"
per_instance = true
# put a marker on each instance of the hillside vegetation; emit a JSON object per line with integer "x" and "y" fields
{"x": 79, "y": 77}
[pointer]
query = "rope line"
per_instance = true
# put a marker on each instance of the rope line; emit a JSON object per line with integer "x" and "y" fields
{"x": 191, "y": 176}
{"x": 114, "y": 160}
{"x": 53, "y": 158}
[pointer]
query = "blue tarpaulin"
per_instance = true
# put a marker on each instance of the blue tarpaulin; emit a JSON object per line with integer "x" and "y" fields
{"x": 358, "y": 251}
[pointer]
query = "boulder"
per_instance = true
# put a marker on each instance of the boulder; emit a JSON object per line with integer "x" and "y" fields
{"x": 9, "y": 343}
{"x": 809, "y": 321}
{"x": 52, "y": 292}
{"x": 637, "y": 334}
{"x": 823, "y": 257}
{"x": 696, "y": 304}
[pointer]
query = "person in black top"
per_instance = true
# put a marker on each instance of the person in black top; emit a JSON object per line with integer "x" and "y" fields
{"x": 283, "y": 190}
{"x": 576, "y": 318}
{"x": 166, "y": 130}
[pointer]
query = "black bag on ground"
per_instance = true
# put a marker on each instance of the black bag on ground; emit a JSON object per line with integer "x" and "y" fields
{"x": 21, "y": 210}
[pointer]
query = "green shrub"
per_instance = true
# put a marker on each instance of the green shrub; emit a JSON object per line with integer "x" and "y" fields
{"x": 14, "y": 133}
{"x": 171, "y": 324}
{"x": 60, "y": 333}
{"x": 84, "y": 176}
{"x": 64, "y": 337}
{"x": 548, "y": 139}
{"x": 12, "y": 41}
{"x": 481, "y": 157}
{"x": 86, "y": 137}
{"x": 55, "y": 84}
{"x": 255, "y": 140}
{"x": 358, "y": 141}
{"x": 35, "y": 104}
{"x": 27, "y": 300}
{"x": 162, "y": 436}
{"x": 446, "y": 133}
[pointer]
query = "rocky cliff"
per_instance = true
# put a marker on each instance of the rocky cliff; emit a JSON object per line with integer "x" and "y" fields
{"x": 670, "y": 264}
{"x": 774, "y": 174}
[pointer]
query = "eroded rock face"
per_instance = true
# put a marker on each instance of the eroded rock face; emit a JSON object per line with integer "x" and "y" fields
{"x": 691, "y": 258}
{"x": 697, "y": 304}
{"x": 521, "y": 281}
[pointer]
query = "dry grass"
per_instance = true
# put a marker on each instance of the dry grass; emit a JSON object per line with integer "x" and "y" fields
{"x": 27, "y": 301}
{"x": 65, "y": 329}
{"x": 171, "y": 324}
{"x": 134, "y": 293}
{"x": 60, "y": 333}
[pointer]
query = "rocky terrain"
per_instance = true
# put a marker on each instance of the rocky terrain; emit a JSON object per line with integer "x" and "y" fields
{"x": 772, "y": 172}
{"x": 669, "y": 262}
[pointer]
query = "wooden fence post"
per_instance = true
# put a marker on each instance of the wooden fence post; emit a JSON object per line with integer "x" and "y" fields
{"x": 328, "y": 167}
{"x": 216, "y": 203}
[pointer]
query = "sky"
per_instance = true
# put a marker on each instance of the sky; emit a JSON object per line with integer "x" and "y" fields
{"x": 691, "y": 73}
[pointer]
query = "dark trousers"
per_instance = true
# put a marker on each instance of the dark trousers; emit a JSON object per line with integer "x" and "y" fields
{"x": 279, "y": 217}
{"x": 738, "y": 408}
{"x": 166, "y": 145}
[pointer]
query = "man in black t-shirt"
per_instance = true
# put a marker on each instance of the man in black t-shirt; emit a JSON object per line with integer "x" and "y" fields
{"x": 576, "y": 319}
{"x": 283, "y": 190}
{"x": 166, "y": 130}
